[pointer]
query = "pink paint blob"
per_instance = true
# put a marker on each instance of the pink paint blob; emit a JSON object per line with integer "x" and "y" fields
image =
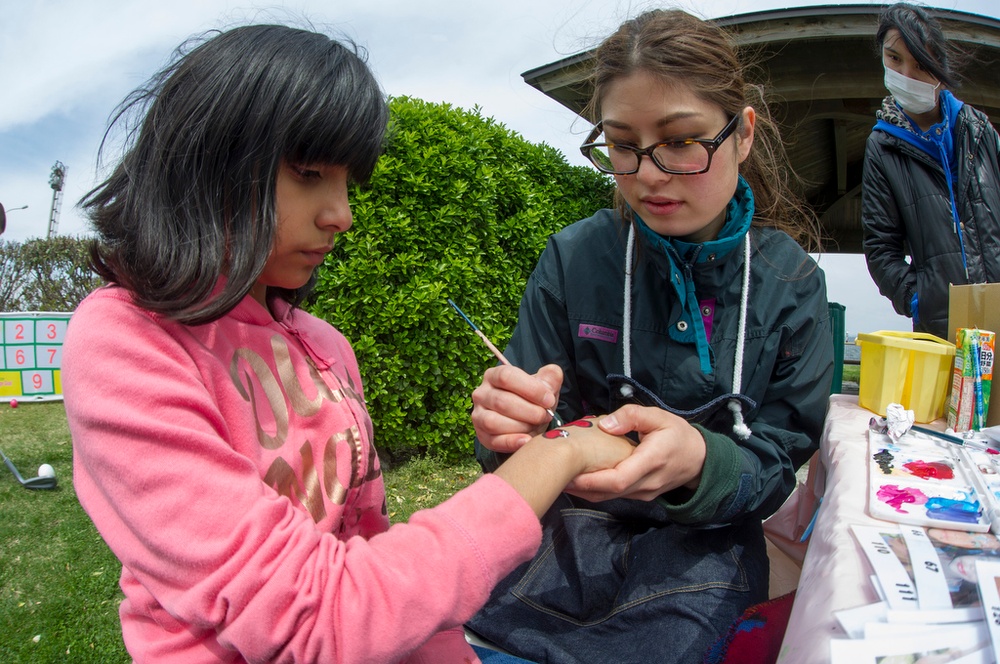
{"x": 896, "y": 497}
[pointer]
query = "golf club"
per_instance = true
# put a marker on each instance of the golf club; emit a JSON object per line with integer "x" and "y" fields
{"x": 40, "y": 482}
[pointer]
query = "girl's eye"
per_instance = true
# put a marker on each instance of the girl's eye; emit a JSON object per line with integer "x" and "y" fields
{"x": 306, "y": 173}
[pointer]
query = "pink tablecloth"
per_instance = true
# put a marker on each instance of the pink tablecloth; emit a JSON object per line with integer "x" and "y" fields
{"x": 834, "y": 572}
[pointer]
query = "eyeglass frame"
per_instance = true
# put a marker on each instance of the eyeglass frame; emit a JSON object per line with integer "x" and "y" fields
{"x": 711, "y": 145}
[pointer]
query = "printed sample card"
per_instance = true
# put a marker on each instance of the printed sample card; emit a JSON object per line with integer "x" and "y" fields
{"x": 961, "y": 644}
{"x": 956, "y": 555}
{"x": 928, "y": 573}
{"x": 885, "y": 549}
{"x": 924, "y": 575}
{"x": 988, "y": 574}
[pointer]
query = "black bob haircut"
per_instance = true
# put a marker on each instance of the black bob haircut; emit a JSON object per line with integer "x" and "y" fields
{"x": 193, "y": 198}
{"x": 924, "y": 39}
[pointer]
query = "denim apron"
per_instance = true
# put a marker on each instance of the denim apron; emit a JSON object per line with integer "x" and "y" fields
{"x": 619, "y": 582}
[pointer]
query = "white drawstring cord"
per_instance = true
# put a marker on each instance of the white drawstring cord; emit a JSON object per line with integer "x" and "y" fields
{"x": 627, "y": 328}
{"x": 741, "y": 430}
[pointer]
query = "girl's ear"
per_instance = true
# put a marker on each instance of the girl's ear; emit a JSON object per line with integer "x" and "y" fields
{"x": 744, "y": 134}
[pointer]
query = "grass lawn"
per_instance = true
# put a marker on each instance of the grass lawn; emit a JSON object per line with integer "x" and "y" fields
{"x": 58, "y": 582}
{"x": 59, "y": 590}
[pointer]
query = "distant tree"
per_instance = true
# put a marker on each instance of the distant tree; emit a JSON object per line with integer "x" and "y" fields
{"x": 12, "y": 276}
{"x": 51, "y": 274}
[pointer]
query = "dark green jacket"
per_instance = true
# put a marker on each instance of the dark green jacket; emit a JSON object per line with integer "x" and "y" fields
{"x": 572, "y": 312}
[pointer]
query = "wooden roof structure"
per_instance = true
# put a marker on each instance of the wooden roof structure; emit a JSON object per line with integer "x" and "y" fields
{"x": 825, "y": 81}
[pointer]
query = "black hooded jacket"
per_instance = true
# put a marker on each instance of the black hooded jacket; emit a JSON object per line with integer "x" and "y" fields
{"x": 906, "y": 212}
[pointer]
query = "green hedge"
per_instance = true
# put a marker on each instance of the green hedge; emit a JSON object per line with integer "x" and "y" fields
{"x": 459, "y": 207}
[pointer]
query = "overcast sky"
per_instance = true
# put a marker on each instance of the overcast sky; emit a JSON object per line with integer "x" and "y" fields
{"x": 65, "y": 64}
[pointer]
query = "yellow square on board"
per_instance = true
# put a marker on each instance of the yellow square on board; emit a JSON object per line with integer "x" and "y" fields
{"x": 10, "y": 383}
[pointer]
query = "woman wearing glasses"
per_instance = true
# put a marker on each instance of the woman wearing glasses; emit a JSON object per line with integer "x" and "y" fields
{"x": 930, "y": 197}
{"x": 694, "y": 316}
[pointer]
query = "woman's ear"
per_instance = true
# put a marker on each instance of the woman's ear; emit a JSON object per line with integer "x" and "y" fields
{"x": 744, "y": 134}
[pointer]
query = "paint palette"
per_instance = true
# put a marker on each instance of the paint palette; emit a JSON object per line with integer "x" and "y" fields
{"x": 920, "y": 480}
{"x": 986, "y": 474}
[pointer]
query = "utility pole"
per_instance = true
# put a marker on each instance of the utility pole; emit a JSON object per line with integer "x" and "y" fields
{"x": 56, "y": 180}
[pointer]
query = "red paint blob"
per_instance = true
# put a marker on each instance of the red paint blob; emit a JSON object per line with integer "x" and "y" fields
{"x": 930, "y": 470}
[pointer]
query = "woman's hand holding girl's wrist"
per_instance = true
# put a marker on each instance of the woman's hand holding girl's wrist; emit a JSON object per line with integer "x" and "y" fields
{"x": 670, "y": 454}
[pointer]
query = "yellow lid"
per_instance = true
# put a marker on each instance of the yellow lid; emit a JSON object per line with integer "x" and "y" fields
{"x": 918, "y": 341}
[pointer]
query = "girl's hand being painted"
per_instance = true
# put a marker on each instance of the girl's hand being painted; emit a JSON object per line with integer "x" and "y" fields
{"x": 596, "y": 448}
{"x": 670, "y": 454}
{"x": 509, "y": 405}
{"x": 540, "y": 469}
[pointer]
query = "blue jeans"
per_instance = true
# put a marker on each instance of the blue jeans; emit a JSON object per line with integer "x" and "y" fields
{"x": 623, "y": 584}
{"x": 487, "y": 656}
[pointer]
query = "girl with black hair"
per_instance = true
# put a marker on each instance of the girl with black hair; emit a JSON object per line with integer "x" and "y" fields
{"x": 221, "y": 441}
{"x": 930, "y": 198}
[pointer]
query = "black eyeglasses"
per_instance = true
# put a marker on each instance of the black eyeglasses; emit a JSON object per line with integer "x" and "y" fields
{"x": 690, "y": 156}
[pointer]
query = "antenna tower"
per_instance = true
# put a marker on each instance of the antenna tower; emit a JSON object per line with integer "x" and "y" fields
{"x": 56, "y": 180}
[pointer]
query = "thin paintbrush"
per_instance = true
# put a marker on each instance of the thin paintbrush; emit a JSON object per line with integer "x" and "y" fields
{"x": 503, "y": 360}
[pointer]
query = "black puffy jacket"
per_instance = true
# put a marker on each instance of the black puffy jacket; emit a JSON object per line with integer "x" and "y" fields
{"x": 906, "y": 211}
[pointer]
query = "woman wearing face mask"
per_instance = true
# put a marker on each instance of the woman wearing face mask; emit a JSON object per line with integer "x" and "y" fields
{"x": 931, "y": 187}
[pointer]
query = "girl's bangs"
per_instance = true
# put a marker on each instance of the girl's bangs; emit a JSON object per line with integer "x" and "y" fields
{"x": 344, "y": 125}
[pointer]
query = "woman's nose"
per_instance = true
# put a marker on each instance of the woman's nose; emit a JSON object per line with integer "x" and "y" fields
{"x": 649, "y": 171}
{"x": 335, "y": 212}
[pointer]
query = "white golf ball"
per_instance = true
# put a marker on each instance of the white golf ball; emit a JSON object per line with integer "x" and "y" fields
{"x": 46, "y": 470}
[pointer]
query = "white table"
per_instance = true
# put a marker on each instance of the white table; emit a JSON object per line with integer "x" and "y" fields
{"x": 834, "y": 571}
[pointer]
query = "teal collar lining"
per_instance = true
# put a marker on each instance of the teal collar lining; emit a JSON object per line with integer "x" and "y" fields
{"x": 681, "y": 256}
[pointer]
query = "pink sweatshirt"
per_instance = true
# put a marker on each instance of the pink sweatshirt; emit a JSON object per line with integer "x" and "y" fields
{"x": 230, "y": 468}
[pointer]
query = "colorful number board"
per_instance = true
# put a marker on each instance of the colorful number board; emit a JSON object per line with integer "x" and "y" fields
{"x": 31, "y": 355}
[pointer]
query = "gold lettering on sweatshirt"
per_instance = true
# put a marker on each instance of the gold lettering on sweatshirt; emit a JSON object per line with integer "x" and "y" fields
{"x": 283, "y": 394}
{"x": 272, "y": 393}
{"x": 336, "y": 491}
{"x": 313, "y": 496}
{"x": 296, "y": 395}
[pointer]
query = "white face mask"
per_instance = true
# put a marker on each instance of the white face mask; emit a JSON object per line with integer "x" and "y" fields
{"x": 914, "y": 96}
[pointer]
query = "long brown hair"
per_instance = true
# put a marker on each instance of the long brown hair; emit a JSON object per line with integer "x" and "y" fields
{"x": 679, "y": 47}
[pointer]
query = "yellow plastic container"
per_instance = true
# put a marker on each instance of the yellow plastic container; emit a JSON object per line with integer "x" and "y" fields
{"x": 908, "y": 368}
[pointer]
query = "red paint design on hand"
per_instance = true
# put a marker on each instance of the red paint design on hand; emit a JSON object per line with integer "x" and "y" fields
{"x": 561, "y": 432}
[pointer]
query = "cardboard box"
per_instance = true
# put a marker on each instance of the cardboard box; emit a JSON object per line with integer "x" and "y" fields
{"x": 972, "y": 377}
{"x": 976, "y": 305}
